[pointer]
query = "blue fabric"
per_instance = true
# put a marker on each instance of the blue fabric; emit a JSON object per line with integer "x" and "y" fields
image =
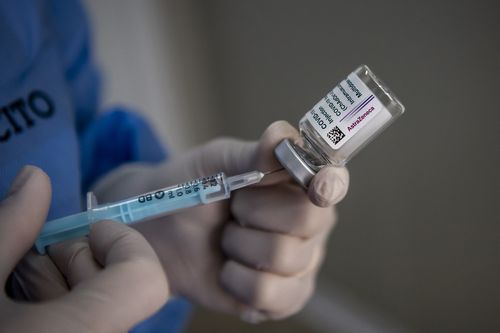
{"x": 49, "y": 98}
{"x": 171, "y": 318}
{"x": 116, "y": 137}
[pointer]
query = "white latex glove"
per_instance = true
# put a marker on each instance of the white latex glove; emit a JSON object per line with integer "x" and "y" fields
{"x": 117, "y": 279}
{"x": 256, "y": 255}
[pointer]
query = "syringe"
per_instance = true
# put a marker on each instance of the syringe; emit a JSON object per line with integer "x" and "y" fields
{"x": 164, "y": 201}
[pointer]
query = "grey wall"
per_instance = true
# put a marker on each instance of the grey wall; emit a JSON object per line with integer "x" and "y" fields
{"x": 418, "y": 237}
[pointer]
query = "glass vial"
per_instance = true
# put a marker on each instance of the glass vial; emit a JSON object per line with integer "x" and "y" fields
{"x": 340, "y": 125}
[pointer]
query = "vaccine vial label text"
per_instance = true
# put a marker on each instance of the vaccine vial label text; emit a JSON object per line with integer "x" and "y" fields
{"x": 344, "y": 111}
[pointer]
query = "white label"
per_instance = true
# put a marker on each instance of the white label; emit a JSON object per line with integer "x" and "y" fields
{"x": 344, "y": 111}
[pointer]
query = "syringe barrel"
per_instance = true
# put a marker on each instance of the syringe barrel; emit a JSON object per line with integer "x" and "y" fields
{"x": 68, "y": 227}
{"x": 166, "y": 200}
{"x": 152, "y": 204}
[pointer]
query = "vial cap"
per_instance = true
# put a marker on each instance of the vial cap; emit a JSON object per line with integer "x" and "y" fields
{"x": 290, "y": 157}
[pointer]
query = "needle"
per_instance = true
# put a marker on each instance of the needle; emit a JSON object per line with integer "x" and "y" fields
{"x": 273, "y": 171}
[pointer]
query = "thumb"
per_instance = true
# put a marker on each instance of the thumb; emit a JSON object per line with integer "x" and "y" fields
{"x": 236, "y": 156}
{"x": 264, "y": 159}
{"x": 22, "y": 214}
{"x": 329, "y": 186}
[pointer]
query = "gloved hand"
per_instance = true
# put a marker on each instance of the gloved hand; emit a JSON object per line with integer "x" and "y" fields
{"x": 116, "y": 278}
{"x": 256, "y": 255}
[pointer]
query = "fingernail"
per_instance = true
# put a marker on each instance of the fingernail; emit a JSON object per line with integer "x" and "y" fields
{"x": 253, "y": 316}
{"x": 338, "y": 190}
{"x": 20, "y": 180}
{"x": 325, "y": 189}
{"x": 329, "y": 191}
{"x": 322, "y": 192}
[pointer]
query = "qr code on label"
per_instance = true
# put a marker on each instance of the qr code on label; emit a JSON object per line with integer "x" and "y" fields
{"x": 335, "y": 135}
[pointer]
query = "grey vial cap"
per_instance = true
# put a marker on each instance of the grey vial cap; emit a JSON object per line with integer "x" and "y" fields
{"x": 293, "y": 158}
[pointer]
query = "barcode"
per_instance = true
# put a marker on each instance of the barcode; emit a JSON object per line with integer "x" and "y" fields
{"x": 335, "y": 135}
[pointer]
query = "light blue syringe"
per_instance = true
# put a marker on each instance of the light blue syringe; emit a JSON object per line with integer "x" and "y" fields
{"x": 157, "y": 203}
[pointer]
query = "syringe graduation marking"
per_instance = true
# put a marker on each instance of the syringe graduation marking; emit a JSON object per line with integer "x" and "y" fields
{"x": 179, "y": 190}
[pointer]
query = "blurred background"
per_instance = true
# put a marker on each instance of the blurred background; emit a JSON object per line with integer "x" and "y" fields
{"x": 417, "y": 248}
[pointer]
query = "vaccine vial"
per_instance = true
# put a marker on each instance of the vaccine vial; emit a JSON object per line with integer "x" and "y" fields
{"x": 340, "y": 125}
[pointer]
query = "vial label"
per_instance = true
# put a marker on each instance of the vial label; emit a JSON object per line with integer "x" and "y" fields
{"x": 344, "y": 111}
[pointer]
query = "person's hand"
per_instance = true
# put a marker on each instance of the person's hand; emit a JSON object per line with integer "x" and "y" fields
{"x": 256, "y": 255}
{"x": 116, "y": 278}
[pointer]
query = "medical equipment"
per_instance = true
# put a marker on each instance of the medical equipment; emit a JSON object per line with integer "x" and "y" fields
{"x": 167, "y": 200}
{"x": 340, "y": 125}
